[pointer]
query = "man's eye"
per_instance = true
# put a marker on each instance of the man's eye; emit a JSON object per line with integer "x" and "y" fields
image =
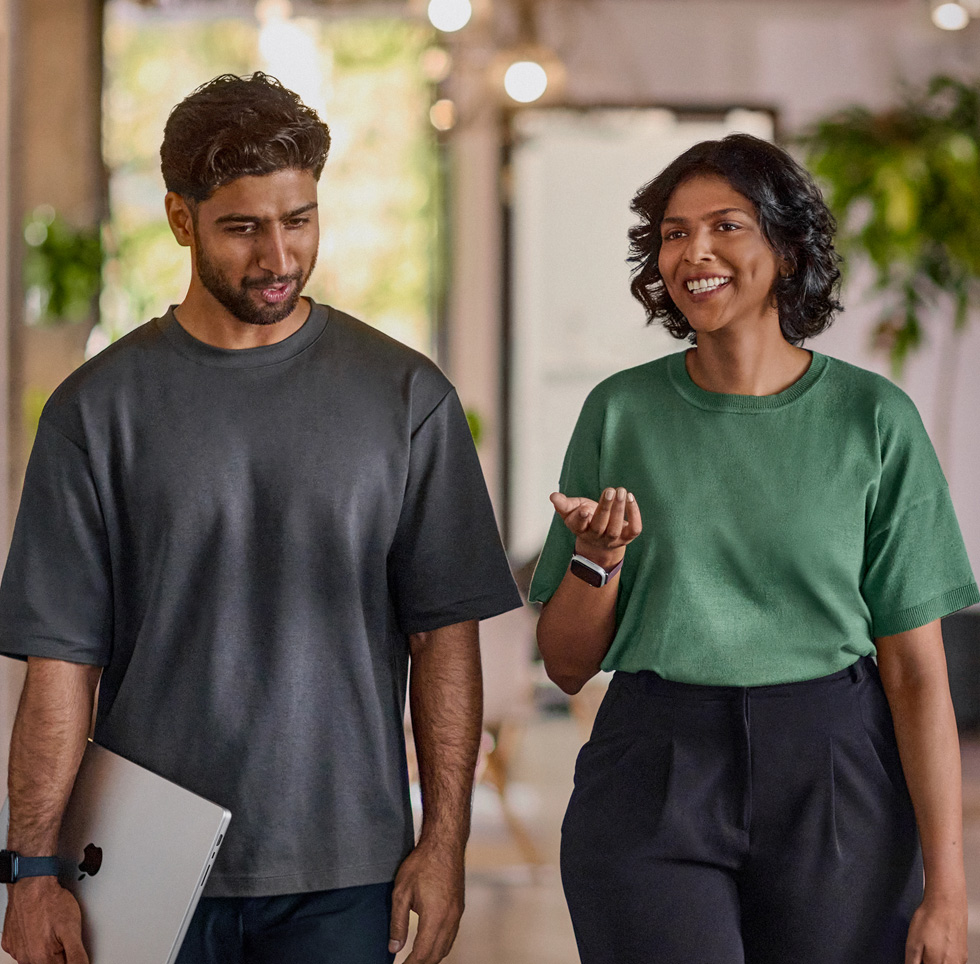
{"x": 728, "y": 226}
{"x": 297, "y": 222}
{"x": 241, "y": 229}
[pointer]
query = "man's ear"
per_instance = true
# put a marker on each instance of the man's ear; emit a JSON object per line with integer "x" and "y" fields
{"x": 180, "y": 218}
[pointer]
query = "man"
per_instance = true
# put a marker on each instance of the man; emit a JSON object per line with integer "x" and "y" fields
{"x": 247, "y": 518}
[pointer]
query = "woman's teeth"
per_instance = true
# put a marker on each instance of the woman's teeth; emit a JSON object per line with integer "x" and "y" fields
{"x": 706, "y": 284}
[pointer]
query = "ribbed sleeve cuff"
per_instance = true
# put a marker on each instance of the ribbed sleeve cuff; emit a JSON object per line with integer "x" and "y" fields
{"x": 948, "y": 602}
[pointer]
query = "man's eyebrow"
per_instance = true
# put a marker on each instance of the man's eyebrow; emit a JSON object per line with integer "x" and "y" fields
{"x": 721, "y": 212}
{"x": 252, "y": 219}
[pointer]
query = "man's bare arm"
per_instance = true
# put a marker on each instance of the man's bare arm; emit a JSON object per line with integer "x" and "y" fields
{"x": 52, "y": 724}
{"x": 447, "y": 712}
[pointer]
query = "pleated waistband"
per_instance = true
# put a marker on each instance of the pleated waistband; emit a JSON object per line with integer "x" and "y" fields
{"x": 652, "y": 683}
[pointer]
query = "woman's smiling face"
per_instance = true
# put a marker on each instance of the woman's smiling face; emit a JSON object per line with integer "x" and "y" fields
{"x": 717, "y": 265}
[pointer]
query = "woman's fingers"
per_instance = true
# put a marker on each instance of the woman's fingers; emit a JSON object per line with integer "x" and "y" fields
{"x": 613, "y": 521}
{"x": 602, "y": 515}
{"x": 575, "y": 511}
{"x": 562, "y": 503}
{"x": 617, "y": 517}
{"x": 633, "y": 520}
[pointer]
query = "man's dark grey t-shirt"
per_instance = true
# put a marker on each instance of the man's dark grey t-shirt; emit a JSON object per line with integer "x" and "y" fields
{"x": 244, "y": 540}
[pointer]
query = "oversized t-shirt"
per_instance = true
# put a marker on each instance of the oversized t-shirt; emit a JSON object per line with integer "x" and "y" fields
{"x": 781, "y": 533}
{"x": 244, "y": 539}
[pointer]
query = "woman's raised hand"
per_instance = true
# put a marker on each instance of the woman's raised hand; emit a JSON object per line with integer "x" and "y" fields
{"x": 602, "y": 529}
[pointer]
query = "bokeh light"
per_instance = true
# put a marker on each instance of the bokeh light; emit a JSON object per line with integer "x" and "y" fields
{"x": 450, "y": 15}
{"x": 950, "y": 16}
{"x": 525, "y": 81}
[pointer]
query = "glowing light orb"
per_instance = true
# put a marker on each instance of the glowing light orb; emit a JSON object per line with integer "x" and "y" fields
{"x": 525, "y": 81}
{"x": 950, "y": 16}
{"x": 442, "y": 115}
{"x": 450, "y": 15}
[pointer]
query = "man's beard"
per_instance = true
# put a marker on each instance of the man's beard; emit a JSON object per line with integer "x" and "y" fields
{"x": 239, "y": 302}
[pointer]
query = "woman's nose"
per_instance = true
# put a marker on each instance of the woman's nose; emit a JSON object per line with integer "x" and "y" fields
{"x": 698, "y": 247}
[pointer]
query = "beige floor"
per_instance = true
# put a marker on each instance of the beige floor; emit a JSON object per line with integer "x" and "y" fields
{"x": 516, "y": 915}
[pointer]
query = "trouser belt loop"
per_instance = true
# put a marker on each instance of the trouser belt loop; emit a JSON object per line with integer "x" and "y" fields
{"x": 858, "y": 670}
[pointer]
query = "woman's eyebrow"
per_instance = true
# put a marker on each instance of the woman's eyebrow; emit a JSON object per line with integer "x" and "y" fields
{"x": 721, "y": 212}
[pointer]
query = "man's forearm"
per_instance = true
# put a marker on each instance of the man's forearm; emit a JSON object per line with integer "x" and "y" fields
{"x": 447, "y": 714}
{"x": 50, "y": 730}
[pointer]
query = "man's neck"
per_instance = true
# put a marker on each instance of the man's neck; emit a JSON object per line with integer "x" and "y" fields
{"x": 215, "y": 325}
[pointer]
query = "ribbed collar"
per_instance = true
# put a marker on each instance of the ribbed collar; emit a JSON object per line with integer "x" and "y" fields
{"x": 258, "y": 357}
{"x": 743, "y": 404}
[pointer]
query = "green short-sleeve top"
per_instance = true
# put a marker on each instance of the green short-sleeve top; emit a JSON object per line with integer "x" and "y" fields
{"x": 781, "y": 533}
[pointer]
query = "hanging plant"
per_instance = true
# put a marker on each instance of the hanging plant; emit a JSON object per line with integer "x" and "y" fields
{"x": 905, "y": 187}
{"x": 62, "y": 268}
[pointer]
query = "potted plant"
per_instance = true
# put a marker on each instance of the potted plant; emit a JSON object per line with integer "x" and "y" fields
{"x": 905, "y": 186}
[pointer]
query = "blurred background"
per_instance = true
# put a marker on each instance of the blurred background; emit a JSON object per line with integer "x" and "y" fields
{"x": 475, "y": 205}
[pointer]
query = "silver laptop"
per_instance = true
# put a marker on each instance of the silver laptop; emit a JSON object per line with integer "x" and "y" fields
{"x": 136, "y": 851}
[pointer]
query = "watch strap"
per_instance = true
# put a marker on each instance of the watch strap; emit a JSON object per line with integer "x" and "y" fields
{"x": 13, "y": 866}
{"x": 591, "y": 572}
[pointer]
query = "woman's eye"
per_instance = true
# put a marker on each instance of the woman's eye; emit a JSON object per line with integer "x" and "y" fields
{"x": 673, "y": 235}
{"x": 728, "y": 226}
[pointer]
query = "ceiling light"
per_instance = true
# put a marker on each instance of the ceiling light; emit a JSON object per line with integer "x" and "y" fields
{"x": 450, "y": 15}
{"x": 442, "y": 115}
{"x": 436, "y": 64}
{"x": 525, "y": 81}
{"x": 950, "y": 16}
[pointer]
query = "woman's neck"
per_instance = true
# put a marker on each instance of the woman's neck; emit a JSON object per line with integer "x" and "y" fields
{"x": 754, "y": 363}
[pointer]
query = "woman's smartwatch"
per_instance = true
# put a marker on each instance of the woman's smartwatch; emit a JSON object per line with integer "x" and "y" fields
{"x": 592, "y": 572}
{"x": 13, "y": 867}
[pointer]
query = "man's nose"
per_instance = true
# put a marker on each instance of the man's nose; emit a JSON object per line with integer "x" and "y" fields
{"x": 274, "y": 255}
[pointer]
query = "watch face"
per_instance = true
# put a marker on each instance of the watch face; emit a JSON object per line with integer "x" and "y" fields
{"x": 583, "y": 571}
{"x": 6, "y": 867}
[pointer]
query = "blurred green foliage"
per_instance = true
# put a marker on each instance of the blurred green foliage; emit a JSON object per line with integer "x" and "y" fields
{"x": 62, "y": 268}
{"x": 905, "y": 187}
{"x": 475, "y": 422}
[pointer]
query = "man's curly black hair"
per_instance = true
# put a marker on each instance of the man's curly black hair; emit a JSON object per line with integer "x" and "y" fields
{"x": 793, "y": 217}
{"x": 235, "y": 127}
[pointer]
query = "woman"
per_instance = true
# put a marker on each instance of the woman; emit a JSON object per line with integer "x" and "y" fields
{"x": 755, "y": 787}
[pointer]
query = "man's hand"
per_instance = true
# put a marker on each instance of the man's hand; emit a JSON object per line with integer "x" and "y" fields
{"x": 430, "y": 882}
{"x": 43, "y": 924}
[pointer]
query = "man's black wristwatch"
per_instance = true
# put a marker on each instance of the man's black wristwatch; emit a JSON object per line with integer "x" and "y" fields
{"x": 13, "y": 867}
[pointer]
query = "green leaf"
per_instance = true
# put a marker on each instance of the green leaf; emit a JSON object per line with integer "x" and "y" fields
{"x": 904, "y": 185}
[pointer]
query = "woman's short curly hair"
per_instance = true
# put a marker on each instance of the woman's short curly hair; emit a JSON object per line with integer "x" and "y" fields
{"x": 793, "y": 217}
{"x": 235, "y": 127}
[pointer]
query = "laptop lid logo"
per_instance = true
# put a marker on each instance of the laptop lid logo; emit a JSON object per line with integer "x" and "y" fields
{"x": 92, "y": 863}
